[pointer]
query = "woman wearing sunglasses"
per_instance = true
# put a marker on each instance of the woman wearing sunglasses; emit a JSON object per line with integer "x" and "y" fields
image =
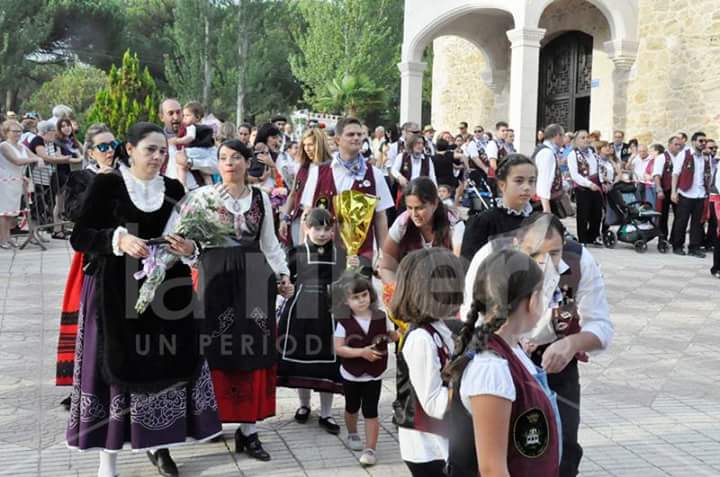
{"x": 100, "y": 147}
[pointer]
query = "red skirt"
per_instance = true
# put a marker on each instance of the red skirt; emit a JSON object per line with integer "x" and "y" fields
{"x": 69, "y": 323}
{"x": 245, "y": 396}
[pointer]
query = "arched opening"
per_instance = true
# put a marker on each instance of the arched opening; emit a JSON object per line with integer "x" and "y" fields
{"x": 566, "y": 81}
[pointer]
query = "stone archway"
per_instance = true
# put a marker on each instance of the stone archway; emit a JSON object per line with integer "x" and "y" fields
{"x": 566, "y": 81}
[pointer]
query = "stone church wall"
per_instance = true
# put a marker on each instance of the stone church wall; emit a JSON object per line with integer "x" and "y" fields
{"x": 675, "y": 82}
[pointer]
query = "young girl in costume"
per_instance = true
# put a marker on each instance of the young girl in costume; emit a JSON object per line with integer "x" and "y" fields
{"x": 499, "y": 396}
{"x": 429, "y": 291}
{"x": 516, "y": 177}
{"x": 307, "y": 351}
{"x": 361, "y": 339}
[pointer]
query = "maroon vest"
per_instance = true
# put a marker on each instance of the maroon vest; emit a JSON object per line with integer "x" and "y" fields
{"x": 666, "y": 178}
{"x": 423, "y": 422}
{"x": 533, "y": 444}
{"x": 412, "y": 240}
{"x": 687, "y": 174}
{"x": 325, "y": 190}
{"x": 323, "y": 193}
{"x": 406, "y": 167}
{"x": 584, "y": 167}
{"x": 355, "y": 337}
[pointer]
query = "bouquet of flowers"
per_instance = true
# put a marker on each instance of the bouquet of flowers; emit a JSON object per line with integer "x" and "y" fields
{"x": 203, "y": 220}
{"x": 278, "y": 197}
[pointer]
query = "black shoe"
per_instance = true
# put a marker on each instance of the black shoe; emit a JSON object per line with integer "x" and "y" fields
{"x": 696, "y": 253}
{"x": 302, "y": 414}
{"x": 251, "y": 445}
{"x": 328, "y": 423}
{"x": 679, "y": 251}
{"x": 66, "y": 403}
{"x": 715, "y": 274}
{"x": 597, "y": 243}
{"x": 164, "y": 463}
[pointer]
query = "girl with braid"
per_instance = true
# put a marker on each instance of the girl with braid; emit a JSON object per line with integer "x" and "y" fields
{"x": 498, "y": 395}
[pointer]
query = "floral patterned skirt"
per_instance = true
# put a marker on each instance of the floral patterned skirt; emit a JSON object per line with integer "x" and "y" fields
{"x": 103, "y": 417}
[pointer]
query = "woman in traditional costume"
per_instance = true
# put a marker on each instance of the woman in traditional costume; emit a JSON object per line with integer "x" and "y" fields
{"x": 139, "y": 379}
{"x": 100, "y": 146}
{"x": 238, "y": 283}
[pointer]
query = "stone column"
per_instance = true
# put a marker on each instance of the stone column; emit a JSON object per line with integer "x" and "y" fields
{"x": 524, "y": 75}
{"x": 623, "y": 54}
{"x": 411, "y": 79}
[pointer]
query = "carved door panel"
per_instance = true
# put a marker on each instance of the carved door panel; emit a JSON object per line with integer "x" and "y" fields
{"x": 565, "y": 81}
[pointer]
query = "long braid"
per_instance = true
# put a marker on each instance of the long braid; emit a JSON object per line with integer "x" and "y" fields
{"x": 460, "y": 360}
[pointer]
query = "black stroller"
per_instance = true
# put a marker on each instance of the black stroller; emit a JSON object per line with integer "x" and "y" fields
{"x": 636, "y": 219}
{"x": 478, "y": 195}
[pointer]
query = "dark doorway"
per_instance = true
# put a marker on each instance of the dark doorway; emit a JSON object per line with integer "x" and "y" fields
{"x": 566, "y": 81}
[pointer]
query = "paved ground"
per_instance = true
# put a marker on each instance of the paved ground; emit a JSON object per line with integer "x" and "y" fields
{"x": 651, "y": 405}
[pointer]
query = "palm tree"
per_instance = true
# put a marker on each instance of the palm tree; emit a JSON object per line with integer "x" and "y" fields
{"x": 353, "y": 95}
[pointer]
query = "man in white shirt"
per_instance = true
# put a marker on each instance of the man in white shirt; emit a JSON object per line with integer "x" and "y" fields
{"x": 690, "y": 187}
{"x": 558, "y": 342}
{"x": 170, "y": 113}
{"x": 662, "y": 174}
{"x": 510, "y": 141}
{"x": 547, "y": 163}
{"x": 397, "y": 148}
{"x": 495, "y": 148}
{"x": 583, "y": 167}
{"x": 349, "y": 169}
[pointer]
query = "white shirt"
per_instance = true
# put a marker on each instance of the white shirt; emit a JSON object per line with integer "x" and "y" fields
{"x": 572, "y": 161}
{"x": 545, "y": 162}
{"x": 717, "y": 181}
{"x": 489, "y": 374}
{"x": 269, "y": 245}
{"x": 420, "y": 353}
{"x": 393, "y": 150}
{"x": 399, "y": 227}
{"x": 344, "y": 181}
{"x": 415, "y": 167}
{"x": 492, "y": 150}
{"x": 171, "y": 168}
{"x": 472, "y": 149}
{"x": 340, "y": 332}
{"x": 639, "y": 167}
{"x": 660, "y": 164}
{"x": 590, "y": 297}
{"x": 606, "y": 170}
{"x": 697, "y": 191}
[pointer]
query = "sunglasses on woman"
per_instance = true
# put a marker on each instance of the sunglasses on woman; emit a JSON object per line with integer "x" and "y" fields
{"x": 107, "y": 146}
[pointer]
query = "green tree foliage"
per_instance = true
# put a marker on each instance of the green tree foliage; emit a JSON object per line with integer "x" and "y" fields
{"x": 193, "y": 49}
{"x": 252, "y": 77}
{"x": 75, "y": 87}
{"x": 130, "y": 96}
{"x": 24, "y": 25}
{"x": 352, "y": 96}
{"x": 347, "y": 37}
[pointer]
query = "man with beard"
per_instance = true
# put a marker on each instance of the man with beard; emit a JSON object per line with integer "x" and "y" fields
{"x": 170, "y": 113}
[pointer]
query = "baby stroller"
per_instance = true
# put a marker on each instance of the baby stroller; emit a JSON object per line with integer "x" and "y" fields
{"x": 637, "y": 219}
{"x": 478, "y": 195}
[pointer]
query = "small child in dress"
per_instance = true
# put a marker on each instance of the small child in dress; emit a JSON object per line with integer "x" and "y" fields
{"x": 361, "y": 339}
{"x": 197, "y": 140}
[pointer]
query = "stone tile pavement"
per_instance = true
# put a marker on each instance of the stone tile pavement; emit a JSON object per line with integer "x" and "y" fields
{"x": 651, "y": 405}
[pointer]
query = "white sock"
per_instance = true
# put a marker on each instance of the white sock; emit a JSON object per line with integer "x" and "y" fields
{"x": 304, "y": 395}
{"x": 108, "y": 464}
{"x": 326, "y": 400}
{"x": 248, "y": 429}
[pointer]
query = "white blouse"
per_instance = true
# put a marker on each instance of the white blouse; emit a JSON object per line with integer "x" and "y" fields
{"x": 146, "y": 195}
{"x": 269, "y": 244}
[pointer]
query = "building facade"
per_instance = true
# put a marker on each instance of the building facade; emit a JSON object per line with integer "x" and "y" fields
{"x": 649, "y": 67}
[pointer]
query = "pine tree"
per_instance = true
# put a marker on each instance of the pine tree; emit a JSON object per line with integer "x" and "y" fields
{"x": 131, "y": 96}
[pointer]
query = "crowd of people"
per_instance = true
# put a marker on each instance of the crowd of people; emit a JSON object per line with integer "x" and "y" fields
{"x": 465, "y": 271}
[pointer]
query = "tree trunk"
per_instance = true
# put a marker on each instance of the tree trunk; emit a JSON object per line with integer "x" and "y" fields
{"x": 243, "y": 45}
{"x": 207, "y": 73}
{"x": 10, "y": 99}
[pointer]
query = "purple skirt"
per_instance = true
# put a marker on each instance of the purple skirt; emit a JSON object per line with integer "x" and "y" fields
{"x": 103, "y": 417}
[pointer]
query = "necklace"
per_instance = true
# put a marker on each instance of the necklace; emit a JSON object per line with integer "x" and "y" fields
{"x": 235, "y": 203}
